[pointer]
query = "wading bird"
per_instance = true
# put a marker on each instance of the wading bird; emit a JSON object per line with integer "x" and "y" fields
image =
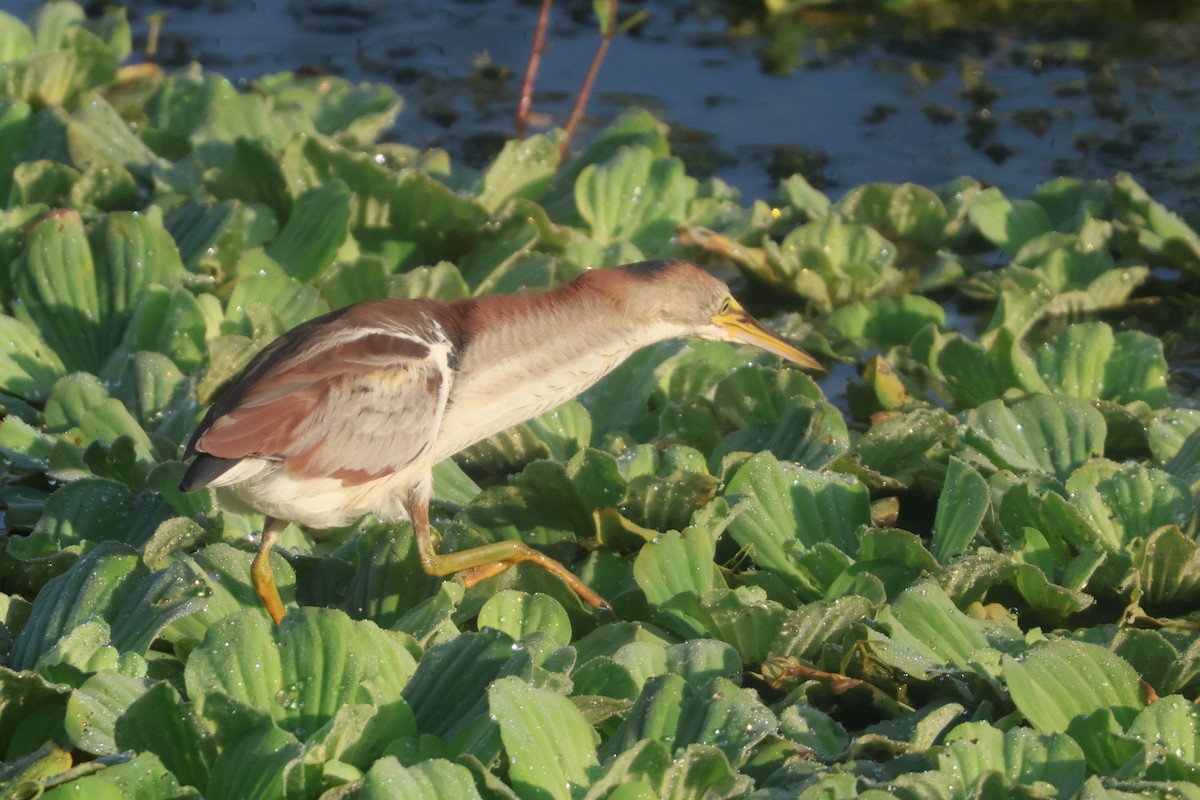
{"x": 348, "y": 413}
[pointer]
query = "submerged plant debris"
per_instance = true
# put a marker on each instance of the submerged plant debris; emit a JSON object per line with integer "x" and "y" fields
{"x": 964, "y": 563}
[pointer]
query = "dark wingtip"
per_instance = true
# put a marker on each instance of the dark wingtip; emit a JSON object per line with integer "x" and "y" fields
{"x": 204, "y": 470}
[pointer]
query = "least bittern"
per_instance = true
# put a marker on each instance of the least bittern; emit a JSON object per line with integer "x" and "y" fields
{"x": 348, "y": 413}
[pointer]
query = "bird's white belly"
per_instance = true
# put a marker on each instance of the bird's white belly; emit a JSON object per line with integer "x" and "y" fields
{"x": 321, "y": 502}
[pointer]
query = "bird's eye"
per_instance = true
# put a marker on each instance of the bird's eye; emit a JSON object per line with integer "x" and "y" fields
{"x": 725, "y": 304}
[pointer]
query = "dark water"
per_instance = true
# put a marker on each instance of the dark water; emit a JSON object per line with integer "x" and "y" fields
{"x": 1005, "y": 107}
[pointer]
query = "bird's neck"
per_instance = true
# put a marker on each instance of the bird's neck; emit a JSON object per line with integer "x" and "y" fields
{"x": 524, "y": 355}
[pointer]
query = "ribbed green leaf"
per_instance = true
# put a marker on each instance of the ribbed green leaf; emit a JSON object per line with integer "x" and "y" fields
{"x": 1161, "y": 232}
{"x": 832, "y": 263}
{"x": 142, "y": 777}
{"x": 300, "y": 672}
{"x": 79, "y": 406}
{"x": 618, "y": 401}
{"x": 16, "y": 40}
{"x": 1055, "y": 603}
{"x": 551, "y": 748}
{"x": 1168, "y": 570}
{"x": 603, "y": 677}
{"x": 728, "y": 717}
{"x": 109, "y": 584}
{"x": 667, "y": 503}
{"x": 440, "y": 224}
{"x": 1044, "y": 433}
{"x": 449, "y": 690}
{"x": 1074, "y": 361}
{"x": 633, "y": 196}
{"x": 969, "y": 372}
{"x": 540, "y": 506}
{"x": 28, "y": 367}
{"x": 43, "y": 183}
{"x": 887, "y": 321}
{"x": 558, "y": 433}
{"x": 1087, "y": 360}
{"x": 386, "y": 581}
{"x": 95, "y": 510}
{"x": 1168, "y": 432}
{"x": 58, "y": 77}
{"x": 803, "y": 196}
{"x": 716, "y": 713}
{"x": 253, "y": 175}
{"x": 633, "y": 128}
{"x": 97, "y": 135}
{"x": 700, "y": 660}
{"x": 897, "y": 445}
{"x": 315, "y": 231}
{"x": 783, "y": 509}
{"x": 814, "y": 729}
{"x": 806, "y": 630}
{"x": 225, "y": 574}
{"x": 1021, "y": 756}
{"x": 906, "y": 211}
{"x": 57, "y": 285}
{"x": 364, "y": 278}
{"x": 31, "y": 711}
{"x": 251, "y": 767}
{"x": 925, "y": 620}
{"x": 742, "y": 618}
{"x": 157, "y": 722}
{"x": 703, "y": 770}
{"x": 655, "y": 715}
{"x": 518, "y": 614}
{"x": 1104, "y": 743}
{"x": 522, "y": 169}
{"x": 916, "y": 213}
{"x": 16, "y": 118}
{"x": 171, "y": 322}
{"x": 93, "y": 710}
{"x": 1059, "y": 680}
{"x": 1170, "y": 727}
{"x": 356, "y": 112}
{"x": 98, "y": 787}
{"x": 436, "y": 779}
{"x": 808, "y": 435}
{"x": 81, "y": 294}
{"x": 25, "y": 446}
{"x": 634, "y": 774}
{"x": 674, "y": 563}
{"x": 1123, "y": 503}
{"x": 1007, "y": 225}
{"x": 196, "y": 228}
{"x": 53, "y": 25}
{"x": 442, "y": 281}
{"x": 263, "y": 281}
{"x": 961, "y": 507}
{"x": 643, "y": 660}
{"x": 153, "y": 389}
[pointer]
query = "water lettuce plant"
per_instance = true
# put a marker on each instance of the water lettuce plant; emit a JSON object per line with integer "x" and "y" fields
{"x": 963, "y": 564}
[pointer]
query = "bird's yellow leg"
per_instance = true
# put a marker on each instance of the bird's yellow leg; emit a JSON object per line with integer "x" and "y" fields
{"x": 261, "y": 574}
{"x": 479, "y": 563}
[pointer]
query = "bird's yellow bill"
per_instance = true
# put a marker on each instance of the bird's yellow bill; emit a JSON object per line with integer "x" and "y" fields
{"x": 744, "y": 328}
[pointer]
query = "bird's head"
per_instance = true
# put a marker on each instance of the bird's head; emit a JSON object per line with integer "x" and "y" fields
{"x": 685, "y": 297}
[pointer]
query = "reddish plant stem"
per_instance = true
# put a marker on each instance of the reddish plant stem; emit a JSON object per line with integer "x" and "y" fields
{"x": 586, "y": 90}
{"x": 525, "y": 101}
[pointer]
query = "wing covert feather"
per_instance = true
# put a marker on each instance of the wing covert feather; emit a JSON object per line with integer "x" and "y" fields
{"x": 356, "y": 410}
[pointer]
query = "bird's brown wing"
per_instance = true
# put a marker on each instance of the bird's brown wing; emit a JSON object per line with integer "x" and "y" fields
{"x": 354, "y": 409}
